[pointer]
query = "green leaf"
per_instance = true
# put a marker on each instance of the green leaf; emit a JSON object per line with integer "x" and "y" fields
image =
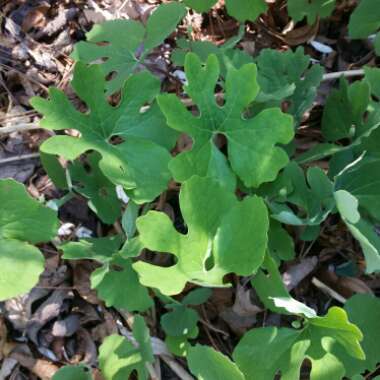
{"x": 227, "y": 55}
{"x": 22, "y": 220}
{"x": 312, "y": 195}
{"x": 362, "y": 180}
{"x": 207, "y": 364}
{"x": 364, "y": 311}
{"x": 200, "y": 5}
{"x": 21, "y": 266}
{"x": 252, "y": 149}
{"x": 197, "y": 296}
{"x": 244, "y": 10}
{"x": 99, "y": 249}
{"x": 216, "y": 243}
{"x": 298, "y": 9}
{"x": 180, "y": 321}
{"x": 92, "y": 184}
{"x": 344, "y": 109}
{"x": 162, "y": 23}
{"x": 142, "y": 335}
{"x": 273, "y": 294}
{"x": 129, "y": 294}
{"x": 287, "y": 76}
{"x": 22, "y": 217}
{"x": 362, "y": 230}
{"x": 280, "y": 244}
{"x": 128, "y": 220}
{"x": 127, "y": 42}
{"x": 79, "y": 372}
{"x": 365, "y": 19}
{"x": 372, "y": 77}
{"x": 116, "y": 269}
{"x": 262, "y": 352}
{"x": 118, "y": 358}
{"x": 127, "y": 164}
{"x": 376, "y": 43}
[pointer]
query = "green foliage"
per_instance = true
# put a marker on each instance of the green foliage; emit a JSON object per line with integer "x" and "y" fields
{"x": 207, "y": 252}
{"x": 262, "y": 352}
{"x": 23, "y": 221}
{"x": 128, "y": 43}
{"x": 116, "y": 269}
{"x": 344, "y": 110}
{"x": 79, "y": 372}
{"x": 206, "y": 363}
{"x": 92, "y": 184}
{"x": 245, "y": 194}
{"x": 252, "y": 142}
{"x": 311, "y": 9}
{"x": 126, "y": 164}
{"x": 119, "y": 357}
{"x": 288, "y": 77}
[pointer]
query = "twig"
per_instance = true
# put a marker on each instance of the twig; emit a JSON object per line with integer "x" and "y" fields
{"x": 326, "y": 289}
{"x": 19, "y": 158}
{"x": 338, "y": 74}
{"x": 18, "y": 128}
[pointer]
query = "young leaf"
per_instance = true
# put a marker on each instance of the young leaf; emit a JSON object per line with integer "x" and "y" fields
{"x": 280, "y": 243}
{"x": 22, "y": 220}
{"x": 286, "y": 76}
{"x": 365, "y": 19}
{"x": 79, "y": 372}
{"x": 344, "y": 109}
{"x": 252, "y": 143}
{"x": 118, "y": 358}
{"x": 92, "y": 184}
{"x": 142, "y": 175}
{"x": 216, "y": 243}
{"x": 127, "y": 41}
{"x": 298, "y": 9}
{"x": 313, "y": 196}
{"x": 142, "y": 336}
{"x": 116, "y": 269}
{"x": 180, "y": 321}
{"x": 207, "y": 364}
{"x": 262, "y": 352}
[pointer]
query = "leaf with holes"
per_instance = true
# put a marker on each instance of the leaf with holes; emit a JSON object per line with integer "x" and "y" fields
{"x": 216, "y": 243}
{"x": 125, "y": 43}
{"x": 91, "y": 183}
{"x": 127, "y": 163}
{"x": 251, "y": 142}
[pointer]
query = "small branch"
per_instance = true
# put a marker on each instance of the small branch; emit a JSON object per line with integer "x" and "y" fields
{"x": 338, "y": 74}
{"x": 18, "y": 128}
{"x": 11, "y": 160}
{"x": 326, "y": 289}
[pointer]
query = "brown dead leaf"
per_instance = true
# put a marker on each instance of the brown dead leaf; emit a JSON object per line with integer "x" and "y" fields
{"x": 42, "y": 368}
